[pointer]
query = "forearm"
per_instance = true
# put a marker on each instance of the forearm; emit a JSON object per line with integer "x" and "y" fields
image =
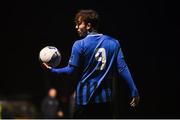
{"x": 126, "y": 75}
{"x": 69, "y": 70}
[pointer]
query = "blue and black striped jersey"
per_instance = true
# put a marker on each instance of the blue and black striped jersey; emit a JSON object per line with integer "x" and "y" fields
{"x": 97, "y": 55}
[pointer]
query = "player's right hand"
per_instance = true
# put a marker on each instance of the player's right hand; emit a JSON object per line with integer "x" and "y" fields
{"x": 46, "y": 67}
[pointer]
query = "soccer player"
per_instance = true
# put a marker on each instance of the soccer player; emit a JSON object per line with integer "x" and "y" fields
{"x": 99, "y": 58}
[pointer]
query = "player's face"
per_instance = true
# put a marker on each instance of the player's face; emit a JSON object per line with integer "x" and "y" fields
{"x": 81, "y": 28}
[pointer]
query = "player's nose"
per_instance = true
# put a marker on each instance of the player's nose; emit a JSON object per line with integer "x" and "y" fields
{"x": 76, "y": 26}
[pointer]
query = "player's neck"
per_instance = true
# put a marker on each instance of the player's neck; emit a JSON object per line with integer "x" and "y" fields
{"x": 92, "y": 32}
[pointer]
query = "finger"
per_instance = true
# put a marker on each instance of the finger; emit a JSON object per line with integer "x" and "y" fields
{"x": 46, "y": 66}
{"x": 132, "y": 101}
{"x": 133, "y": 105}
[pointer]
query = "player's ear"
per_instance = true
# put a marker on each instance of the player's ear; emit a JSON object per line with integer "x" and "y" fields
{"x": 88, "y": 27}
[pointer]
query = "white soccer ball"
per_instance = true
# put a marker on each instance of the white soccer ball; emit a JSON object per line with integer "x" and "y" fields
{"x": 50, "y": 55}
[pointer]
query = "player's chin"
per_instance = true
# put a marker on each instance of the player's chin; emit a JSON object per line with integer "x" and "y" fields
{"x": 80, "y": 34}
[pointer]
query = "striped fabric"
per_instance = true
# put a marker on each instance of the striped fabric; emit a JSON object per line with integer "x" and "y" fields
{"x": 97, "y": 53}
{"x": 99, "y": 57}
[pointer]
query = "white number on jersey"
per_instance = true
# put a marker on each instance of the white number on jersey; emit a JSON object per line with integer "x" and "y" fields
{"x": 101, "y": 56}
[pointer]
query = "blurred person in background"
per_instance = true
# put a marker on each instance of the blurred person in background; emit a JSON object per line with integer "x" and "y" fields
{"x": 50, "y": 107}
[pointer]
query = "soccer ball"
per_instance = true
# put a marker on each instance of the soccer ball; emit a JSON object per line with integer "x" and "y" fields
{"x": 50, "y": 55}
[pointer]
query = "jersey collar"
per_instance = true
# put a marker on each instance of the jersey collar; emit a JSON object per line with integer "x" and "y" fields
{"x": 94, "y": 34}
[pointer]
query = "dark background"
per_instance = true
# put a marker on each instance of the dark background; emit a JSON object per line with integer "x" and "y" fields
{"x": 147, "y": 30}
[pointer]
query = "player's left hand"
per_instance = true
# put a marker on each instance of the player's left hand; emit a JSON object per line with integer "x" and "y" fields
{"x": 135, "y": 101}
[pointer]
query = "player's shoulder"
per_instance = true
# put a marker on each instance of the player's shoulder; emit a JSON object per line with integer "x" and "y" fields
{"x": 78, "y": 43}
{"x": 112, "y": 39}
